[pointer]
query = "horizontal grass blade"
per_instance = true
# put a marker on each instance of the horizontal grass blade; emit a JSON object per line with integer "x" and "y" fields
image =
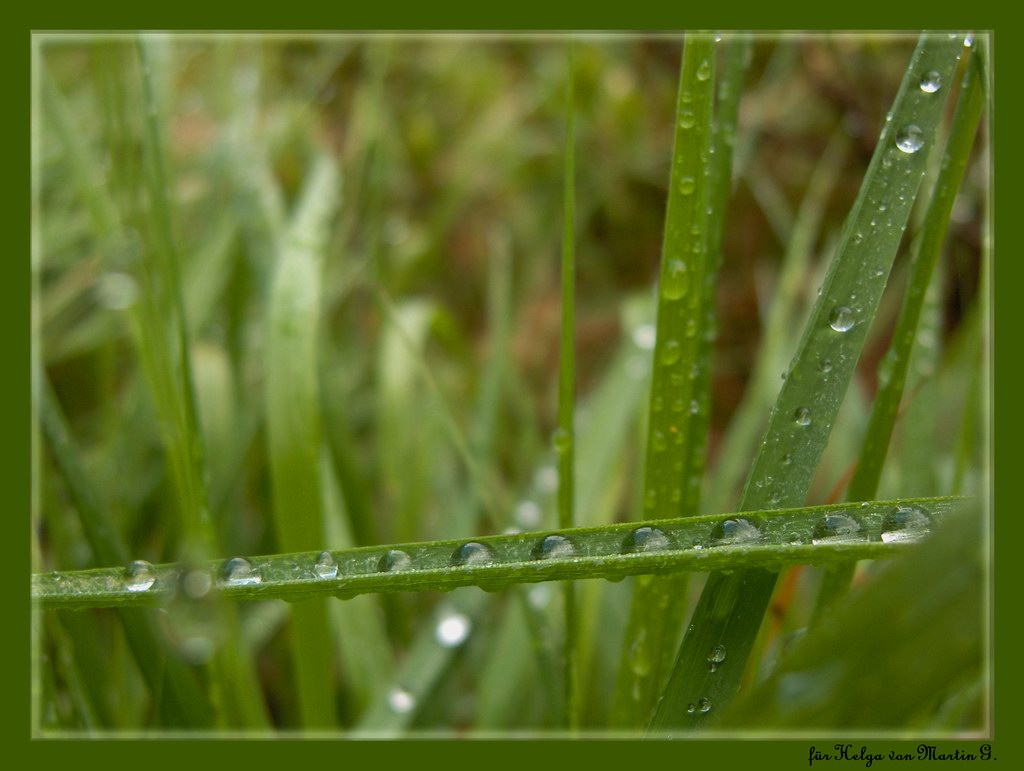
{"x": 760, "y": 538}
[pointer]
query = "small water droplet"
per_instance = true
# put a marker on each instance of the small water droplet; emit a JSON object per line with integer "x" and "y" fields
{"x": 704, "y": 705}
{"x": 401, "y": 701}
{"x": 325, "y": 566}
{"x": 645, "y": 539}
{"x": 787, "y": 459}
{"x": 472, "y": 553}
{"x": 553, "y": 547}
{"x": 931, "y": 82}
{"x": 734, "y": 531}
{"x": 826, "y": 365}
{"x": 117, "y": 291}
{"x": 453, "y": 629}
{"x": 704, "y": 70}
{"x": 694, "y": 407}
{"x": 562, "y": 440}
{"x": 238, "y": 571}
{"x": 715, "y": 657}
{"x": 687, "y": 185}
{"x": 670, "y": 352}
{"x": 802, "y": 416}
{"x": 643, "y": 336}
{"x": 691, "y": 708}
{"x": 836, "y": 528}
{"x": 905, "y": 524}
{"x": 841, "y": 319}
{"x": 393, "y": 561}
{"x": 658, "y": 441}
{"x": 139, "y": 577}
{"x": 686, "y": 119}
{"x": 910, "y": 139}
{"x": 676, "y": 280}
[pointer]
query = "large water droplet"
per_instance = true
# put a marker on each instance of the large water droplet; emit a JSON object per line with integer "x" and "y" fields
{"x": 836, "y": 528}
{"x": 704, "y": 705}
{"x": 676, "y": 280}
{"x": 802, "y": 416}
{"x": 325, "y": 566}
{"x": 841, "y": 319}
{"x": 670, "y": 352}
{"x": 238, "y": 571}
{"x": 453, "y": 629}
{"x": 715, "y": 657}
{"x": 472, "y": 553}
{"x": 931, "y": 82}
{"x": 139, "y": 576}
{"x": 687, "y": 185}
{"x": 905, "y": 524}
{"x": 645, "y": 539}
{"x": 734, "y": 531}
{"x": 401, "y": 701}
{"x": 686, "y": 119}
{"x": 553, "y": 547}
{"x": 910, "y": 139}
{"x": 393, "y": 561}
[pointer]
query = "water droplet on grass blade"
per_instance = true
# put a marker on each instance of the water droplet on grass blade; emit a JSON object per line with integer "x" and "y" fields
{"x": 910, "y": 139}
{"x": 325, "y": 566}
{"x": 931, "y": 82}
{"x": 836, "y": 528}
{"x": 704, "y": 705}
{"x": 553, "y": 547}
{"x": 842, "y": 319}
{"x": 562, "y": 440}
{"x": 670, "y": 352}
{"x": 238, "y": 571}
{"x": 472, "y": 553}
{"x": 645, "y": 539}
{"x": 715, "y": 657}
{"x": 732, "y": 532}
{"x": 687, "y": 185}
{"x": 905, "y": 524}
{"x": 453, "y": 629}
{"x": 686, "y": 119}
{"x": 704, "y": 70}
{"x": 802, "y": 416}
{"x": 139, "y": 576}
{"x": 393, "y": 561}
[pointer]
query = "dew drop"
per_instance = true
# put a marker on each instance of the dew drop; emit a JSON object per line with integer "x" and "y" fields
{"x": 472, "y": 553}
{"x": 704, "y": 70}
{"x": 643, "y": 336}
{"x": 841, "y": 319}
{"x": 658, "y": 441}
{"x": 687, "y": 185}
{"x": 734, "y": 531}
{"x": 238, "y": 571}
{"x": 676, "y": 280}
{"x": 836, "y": 528}
{"x": 715, "y": 657}
{"x": 401, "y": 701}
{"x": 686, "y": 119}
{"x": 704, "y": 705}
{"x": 453, "y": 629}
{"x": 910, "y": 139}
{"x": 553, "y": 547}
{"x": 394, "y": 561}
{"x": 905, "y": 524}
{"x": 826, "y": 365}
{"x": 802, "y": 416}
{"x": 787, "y": 459}
{"x": 139, "y": 577}
{"x": 325, "y": 566}
{"x": 691, "y": 708}
{"x": 645, "y": 539}
{"x": 694, "y": 407}
{"x": 670, "y": 352}
{"x": 562, "y": 440}
{"x": 931, "y": 82}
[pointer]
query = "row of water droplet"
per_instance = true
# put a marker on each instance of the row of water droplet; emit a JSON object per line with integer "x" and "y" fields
{"x": 903, "y": 524}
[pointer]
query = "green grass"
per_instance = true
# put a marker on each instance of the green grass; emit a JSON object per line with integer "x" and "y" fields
{"x": 338, "y": 434}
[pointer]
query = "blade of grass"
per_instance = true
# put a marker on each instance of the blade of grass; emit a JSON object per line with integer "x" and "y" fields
{"x": 892, "y": 374}
{"x": 775, "y": 537}
{"x": 566, "y": 433}
{"x": 293, "y": 426}
{"x": 866, "y": 667}
{"x": 731, "y": 608}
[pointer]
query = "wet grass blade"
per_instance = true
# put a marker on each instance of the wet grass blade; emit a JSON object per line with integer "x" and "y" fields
{"x": 565, "y": 437}
{"x": 731, "y": 608}
{"x": 293, "y": 426}
{"x": 887, "y": 656}
{"x": 760, "y": 538}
